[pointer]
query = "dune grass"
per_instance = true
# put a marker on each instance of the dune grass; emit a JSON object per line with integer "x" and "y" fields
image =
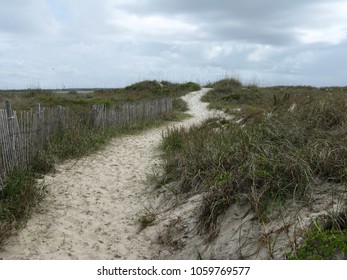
{"x": 287, "y": 140}
{"x": 145, "y": 90}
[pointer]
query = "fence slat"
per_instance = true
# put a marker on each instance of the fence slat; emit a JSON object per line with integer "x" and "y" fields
{"x": 24, "y": 135}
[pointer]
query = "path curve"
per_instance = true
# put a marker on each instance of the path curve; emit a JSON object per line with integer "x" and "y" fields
{"x": 92, "y": 205}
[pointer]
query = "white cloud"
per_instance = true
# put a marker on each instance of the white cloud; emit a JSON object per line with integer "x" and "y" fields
{"x": 219, "y": 49}
{"x": 260, "y": 53}
{"x": 330, "y": 35}
{"x": 324, "y": 22}
{"x": 27, "y": 18}
{"x": 153, "y": 27}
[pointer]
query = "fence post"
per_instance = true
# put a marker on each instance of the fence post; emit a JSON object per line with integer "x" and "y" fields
{"x": 61, "y": 118}
{"x": 103, "y": 116}
{"x": 93, "y": 118}
{"x": 10, "y": 125}
{"x": 170, "y": 104}
{"x": 38, "y": 110}
{"x": 1, "y": 184}
{"x": 39, "y": 127}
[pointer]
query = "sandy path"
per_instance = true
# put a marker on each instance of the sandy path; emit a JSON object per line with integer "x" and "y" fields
{"x": 92, "y": 205}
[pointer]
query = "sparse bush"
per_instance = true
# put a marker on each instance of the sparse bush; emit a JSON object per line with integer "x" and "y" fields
{"x": 144, "y": 86}
{"x": 164, "y": 88}
{"x": 190, "y": 86}
{"x": 227, "y": 85}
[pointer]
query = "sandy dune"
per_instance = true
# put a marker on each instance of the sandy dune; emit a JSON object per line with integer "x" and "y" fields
{"x": 92, "y": 205}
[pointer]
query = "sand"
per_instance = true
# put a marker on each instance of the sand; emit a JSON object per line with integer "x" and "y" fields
{"x": 93, "y": 204}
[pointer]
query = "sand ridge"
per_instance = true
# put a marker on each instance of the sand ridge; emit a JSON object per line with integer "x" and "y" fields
{"x": 92, "y": 206}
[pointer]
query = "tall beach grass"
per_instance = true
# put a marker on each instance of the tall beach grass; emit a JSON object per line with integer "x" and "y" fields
{"x": 285, "y": 142}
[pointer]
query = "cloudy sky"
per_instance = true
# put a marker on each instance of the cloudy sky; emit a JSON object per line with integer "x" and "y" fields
{"x": 112, "y": 43}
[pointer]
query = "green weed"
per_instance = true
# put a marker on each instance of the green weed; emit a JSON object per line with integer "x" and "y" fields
{"x": 325, "y": 239}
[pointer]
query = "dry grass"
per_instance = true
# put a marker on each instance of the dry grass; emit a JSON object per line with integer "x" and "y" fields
{"x": 290, "y": 140}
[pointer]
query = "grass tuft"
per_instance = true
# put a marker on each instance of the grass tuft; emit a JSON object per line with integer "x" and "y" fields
{"x": 19, "y": 196}
{"x": 147, "y": 219}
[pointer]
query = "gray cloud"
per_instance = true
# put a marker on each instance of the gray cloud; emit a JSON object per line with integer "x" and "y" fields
{"x": 269, "y": 21}
{"x": 26, "y": 17}
{"x": 113, "y": 43}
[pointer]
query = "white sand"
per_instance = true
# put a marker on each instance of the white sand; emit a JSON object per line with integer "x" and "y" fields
{"x": 92, "y": 206}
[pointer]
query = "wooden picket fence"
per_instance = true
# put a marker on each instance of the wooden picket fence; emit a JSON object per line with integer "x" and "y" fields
{"x": 23, "y": 135}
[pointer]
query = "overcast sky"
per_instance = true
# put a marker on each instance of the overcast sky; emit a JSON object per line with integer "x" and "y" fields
{"x": 112, "y": 43}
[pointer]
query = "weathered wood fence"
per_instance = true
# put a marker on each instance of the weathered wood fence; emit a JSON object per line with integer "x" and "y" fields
{"x": 24, "y": 134}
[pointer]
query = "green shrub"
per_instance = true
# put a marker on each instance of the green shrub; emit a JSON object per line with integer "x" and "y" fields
{"x": 180, "y": 105}
{"x": 326, "y": 239}
{"x": 227, "y": 85}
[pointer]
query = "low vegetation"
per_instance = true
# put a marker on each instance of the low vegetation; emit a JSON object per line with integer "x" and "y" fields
{"x": 17, "y": 199}
{"x": 146, "y": 90}
{"x": 284, "y": 142}
{"x": 21, "y": 192}
{"x": 325, "y": 239}
{"x": 147, "y": 219}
